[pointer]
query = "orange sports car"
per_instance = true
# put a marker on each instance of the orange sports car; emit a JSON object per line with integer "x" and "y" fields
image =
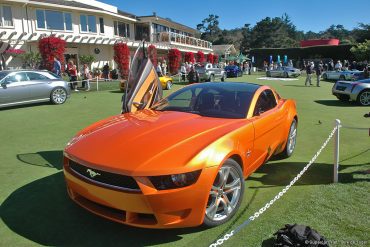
{"x": 180, "y": 161}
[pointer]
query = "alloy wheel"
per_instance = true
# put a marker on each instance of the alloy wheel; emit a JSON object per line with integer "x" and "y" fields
{"x": 364, "y": 98}
{"x": 225, "y": 194}
{"x": 59, "y": 96}
{"x": 292, "y": 138}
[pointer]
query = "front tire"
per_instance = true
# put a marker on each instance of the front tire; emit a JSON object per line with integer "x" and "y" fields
{"x": 223, "y": 78}
{"x": 291, "y": 140}
{"x": 364, "y": 98}
{"x": 168, "y": 85}
{"x": 226, "y": 194}
{"x": 58, "y": 96}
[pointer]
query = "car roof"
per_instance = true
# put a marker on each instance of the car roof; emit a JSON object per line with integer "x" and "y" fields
{"x": 237, "y": 86}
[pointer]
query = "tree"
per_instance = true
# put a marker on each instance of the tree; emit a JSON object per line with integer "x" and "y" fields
{"x": 189, "y": 57}
{"x": 209, "y": 28}
{"x": 361, "y": 33}
{"x": 50, "y": 47}
{"x": 362, "y": 51}
{"x": 87, "y": 59}
{"x": 174, "y": 57}
{"x": 122, "y": 59}
{"x": 200, "y": 57}
{"x": 32, "y": 59}
{"x": 152, "y": 53}
{"x": 210, "y": 58}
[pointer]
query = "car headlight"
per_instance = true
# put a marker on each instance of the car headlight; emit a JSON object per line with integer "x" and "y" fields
{"x": 74, "y": 140}
{"x": 174, "y": 181}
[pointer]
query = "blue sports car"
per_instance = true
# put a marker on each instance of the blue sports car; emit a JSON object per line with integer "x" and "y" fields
{"x": 233, "y": 71}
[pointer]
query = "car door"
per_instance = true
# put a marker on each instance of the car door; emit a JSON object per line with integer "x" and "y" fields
{"x": 13, "y": 88}
{"x": 143, "y": 87}
{"x": 38, "y": 86}
{"x": 267, "y": 119}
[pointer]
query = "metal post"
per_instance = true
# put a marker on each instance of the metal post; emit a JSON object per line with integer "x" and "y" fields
{"x": 97, "y": 83}
{"x": 336, "y": 151}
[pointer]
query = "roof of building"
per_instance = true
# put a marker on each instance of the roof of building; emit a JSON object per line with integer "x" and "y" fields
{"x": 68, "y": 3}
{"x": 167, "y": 20}
{"x": 120, "y": 12}
{"x": 221, "y": 49}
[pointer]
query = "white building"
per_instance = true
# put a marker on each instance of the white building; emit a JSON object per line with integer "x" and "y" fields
{"x": 88, "y": 27}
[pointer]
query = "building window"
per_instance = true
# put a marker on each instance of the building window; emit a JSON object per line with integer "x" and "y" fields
{"x": 53, "y": 20}
{"x": 157, "y": 28}
{"x": 88, "y": 23}
{"x": 121, "y": 29}
{"x": 6, "y": 16}
{"x": 101, "y": 24}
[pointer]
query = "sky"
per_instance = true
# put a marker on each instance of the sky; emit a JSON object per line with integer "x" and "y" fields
{"x": 307, "y": 15}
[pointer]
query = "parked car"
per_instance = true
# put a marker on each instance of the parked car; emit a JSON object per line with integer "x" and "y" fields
{"x": 166, "y": 82}
{"x": 285, "y": 72}
{"x": 358, "y": 91}
{"x": 180, "y": 161}
{"x": 343, "y": 75}
{"x": 210, "y": 72}
{"x": 233, "y": 71}
{"x": 31, "y": 86}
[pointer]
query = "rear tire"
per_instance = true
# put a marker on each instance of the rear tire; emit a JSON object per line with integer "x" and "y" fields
{"x": 226, "y": 194}
{"x": 325, "y": 77}
{"x": 58, "y": 96}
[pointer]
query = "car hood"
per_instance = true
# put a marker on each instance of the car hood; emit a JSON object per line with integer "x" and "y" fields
{"x": 148, "y": 142}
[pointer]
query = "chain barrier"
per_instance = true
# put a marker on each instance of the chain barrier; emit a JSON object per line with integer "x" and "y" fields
{"x": 258, "y": 213}
{"x": 354, "y": 128}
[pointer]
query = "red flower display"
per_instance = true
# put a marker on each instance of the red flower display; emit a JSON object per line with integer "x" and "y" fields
{"x": 174, "y": 57}
{"x": 189, "y": 57}
{"x": 210, "y": 58}
{"x": 50, "y": 47}
{"x": 200, "y": 57}
{"x": 215, "y": 58}
{"x": 122, "y": 59}
{"x": 152, "y": 53}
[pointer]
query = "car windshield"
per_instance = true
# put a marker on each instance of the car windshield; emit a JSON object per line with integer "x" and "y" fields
{"x": 221, "y": 100}
{"x": 3, "y": 74}
{"x": 365, "y": 81}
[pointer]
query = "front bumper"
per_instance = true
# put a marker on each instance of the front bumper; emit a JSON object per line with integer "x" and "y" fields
{"x": 346, "y": 92}
{"x": 149, "y": 208}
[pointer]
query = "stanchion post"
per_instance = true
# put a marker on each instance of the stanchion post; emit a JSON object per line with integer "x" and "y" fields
{"x": 336, "y": 151}
{"x": 97, "y": 83}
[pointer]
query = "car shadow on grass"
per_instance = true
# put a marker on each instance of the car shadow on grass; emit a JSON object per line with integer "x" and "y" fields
{"x": 335, "y": 102}
{"x": 281, "y": 173}
{"x": 52, "y": 159}
{"x": 42, "y": 212}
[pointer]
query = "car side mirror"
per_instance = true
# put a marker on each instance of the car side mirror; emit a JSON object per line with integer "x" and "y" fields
{"x": 4, "y": 85}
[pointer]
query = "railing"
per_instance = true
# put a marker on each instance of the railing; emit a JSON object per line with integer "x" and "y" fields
{"x": 175, "y": 38}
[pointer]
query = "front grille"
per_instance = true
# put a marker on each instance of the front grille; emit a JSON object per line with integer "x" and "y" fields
{"x": 340, "y": 88}
{"x": 104, "y": 178}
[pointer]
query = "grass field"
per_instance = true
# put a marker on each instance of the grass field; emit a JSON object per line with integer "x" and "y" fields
{"x": 35, "y": 209}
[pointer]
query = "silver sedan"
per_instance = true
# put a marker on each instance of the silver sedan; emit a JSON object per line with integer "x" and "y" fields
{"x": 284, "y": 72}
{"x": 353, "y": 90}
{"x": 20, "y": 87}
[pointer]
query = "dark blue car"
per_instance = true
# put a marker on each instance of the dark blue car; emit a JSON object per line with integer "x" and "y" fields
{"x": 233, "y": 71}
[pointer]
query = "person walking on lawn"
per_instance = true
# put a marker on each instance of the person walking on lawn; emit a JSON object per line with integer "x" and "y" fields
{"x": 72, "y": 71}
{"x": 318, "y": 69}
{"x": 106, "y": 72}
{"x": 309, "y": 71}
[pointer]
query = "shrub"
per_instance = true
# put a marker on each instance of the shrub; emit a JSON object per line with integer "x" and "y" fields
{"x": 200, "y": 57}
{"x": 210, "y": 58}
{"x": 49, "y": 48}
{"x": 174, "y": 57}
{"x": 122, "y": 59}
{"x": 152, "y": 53}
{"x": 189, "y": 57}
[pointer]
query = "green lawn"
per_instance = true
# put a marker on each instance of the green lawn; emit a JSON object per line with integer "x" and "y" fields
{"x": 35, "y": 209}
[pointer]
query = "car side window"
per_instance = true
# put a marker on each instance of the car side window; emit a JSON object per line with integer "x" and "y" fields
{"x": 266, "y": 101}
{"x": 18, "y": 77}
{"x": 36, "y": 76}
